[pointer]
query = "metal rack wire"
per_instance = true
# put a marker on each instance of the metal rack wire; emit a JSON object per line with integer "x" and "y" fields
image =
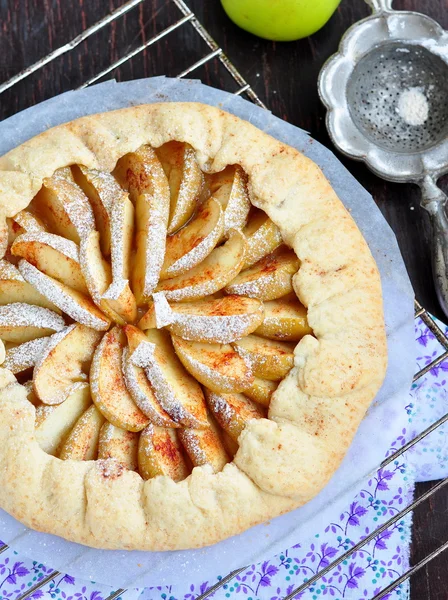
{"x": 188, "y": 18}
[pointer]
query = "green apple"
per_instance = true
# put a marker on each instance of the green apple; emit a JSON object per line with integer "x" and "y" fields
{"x": 280, "y": 20}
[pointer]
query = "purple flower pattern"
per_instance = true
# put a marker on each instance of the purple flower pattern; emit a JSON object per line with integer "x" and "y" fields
{"x": 359, "y": 577}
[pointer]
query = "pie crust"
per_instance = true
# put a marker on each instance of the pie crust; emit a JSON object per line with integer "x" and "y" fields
{"x": 283, "y": 461}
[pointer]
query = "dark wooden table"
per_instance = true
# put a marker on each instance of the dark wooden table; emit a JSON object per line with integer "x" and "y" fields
{"x": 284, "y": 76}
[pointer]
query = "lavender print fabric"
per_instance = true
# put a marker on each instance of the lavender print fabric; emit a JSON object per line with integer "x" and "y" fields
{"x": 361, "y": 576}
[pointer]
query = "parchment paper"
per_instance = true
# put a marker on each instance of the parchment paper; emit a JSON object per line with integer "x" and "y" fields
{"x": 379, "y": 428}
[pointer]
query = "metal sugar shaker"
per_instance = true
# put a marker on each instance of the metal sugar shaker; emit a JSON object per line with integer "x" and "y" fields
{"x": 379, "y": 59}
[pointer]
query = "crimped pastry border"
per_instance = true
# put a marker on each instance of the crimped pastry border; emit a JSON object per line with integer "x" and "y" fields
{"x": 283, "y": 461}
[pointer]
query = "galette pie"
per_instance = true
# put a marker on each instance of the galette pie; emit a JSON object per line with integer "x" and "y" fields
{"x": 192, "y": 328}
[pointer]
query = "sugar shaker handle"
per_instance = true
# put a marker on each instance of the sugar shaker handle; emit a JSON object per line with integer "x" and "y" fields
{"x": 434, "y": 202}
{"x": 380, "y": 5}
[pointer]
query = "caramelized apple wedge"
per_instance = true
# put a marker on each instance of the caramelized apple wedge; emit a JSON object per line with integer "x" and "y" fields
{"x": 101, "y": 190}
{"x": 28, "y": 222}
{"x": 114, "y": 214}
{"x": 120, "y": 445}
{"x": 109, "y": 391}
{"x": 139, "y": 387}
{"x": 64, "y": 362}
{"x": 233, "y": 411}
{"x": 261, "y": 391}
{"x": 217, "y": 366}
{"x": 54, "y": 255}
{"x": 20, "y": 322}
{"x": 285, "y": 319}
{"x": 175, "y": 390}
{"x": 221, "y": 320}
{"x": 263, "y": 237}
{"x": 194, "y": 242}
{"x": 98, "y": 276}
{"x": 76, "y": 305}
{"x": 185, "y": 181}
{"x": 269, "y": 279}
{"x": 269, "y": 359}
{"x": 82, "y": 442}
{"x": 160, "y": 453}
{"x": 53, "y": 426}
{"x": 64, "y": 207}
{"x": 205, "y": 446}
{"x": 150, "y": 193}
{"x": 22, "y": 357}
{"x": 214, "y": 273}
{"x": 14, "y": 288}
{"x": 230, "y": 189}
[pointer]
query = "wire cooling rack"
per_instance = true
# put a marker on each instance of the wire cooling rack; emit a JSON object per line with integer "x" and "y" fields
{"x": 188, "y": 19}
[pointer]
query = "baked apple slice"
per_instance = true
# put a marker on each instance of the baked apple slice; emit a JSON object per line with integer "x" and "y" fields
{"x": 230, "y": 189}
{"x": 22, "y": 357}
{"x": 114, "y": 214}
{"x": 75, "y": 305}
{"x": 185, "y": 181}
{"x": 160, "y": 453}
{"x": 269, "y": 359}
{"x": 285, "y": 319}
{"x": 219, "y": 268}
{"x": 205, "y": 446}
{"x": 109, "y": 391}
{"x": 233, "y": 411}
{"x": 261, "y": 391}
{"x": 54, "y": 255}
{"x": 20, "y": 322}
{"x": 28, "y": 222}
{"x": 176, "y": 391}
{"x": 220, "y": 320}
{"x": 98, "y": 276}
{"x": 194, "y": 242}
{"x": 217, "y": 366}
{"x": 101, "y": 190}
{"x": 64, "y": 362}
{"x": 269, "y": 279}
{"x": 14, "y": 288}
{"x": 120, "y": 445}
{"x": 141, "y": 391}
{"x": 82, "y": 441}
{"x": 64, "y": 207}
{"x": 263, "y": 237}
{"x": 53, "y": 426}
{"x": 150, "y": 193}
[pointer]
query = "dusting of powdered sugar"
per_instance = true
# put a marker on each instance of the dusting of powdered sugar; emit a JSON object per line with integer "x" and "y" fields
{"x": 75, "y": 204}
{"x": 115, "y": 290}
{"x": 220, "y": 407}
{"x": 220, "y": 329}
{"x": 189, "y": 190}
{"x": 62, "y": 245}
{"x": 162, "y": 310}
{"x": 28, "y": 222}
{"x": 413, "y": 106}
{"x": 191, "y": 440}
{"x": 238, "y": 372}
{"x": 154, "y": 249}
{"x": 9, "y": 272}
{"x": 25, "y": 355}
{"x": 143, "y": 354}
{"x": 198, "y": 253}
{"x": 67, "y": 300}
{"x": 142, "y": 394}
{"x": 20, "y": 314}
{"x": 208, "y": 277}
{"x": 51, "y": 344}
{"x": 120, "y": 237}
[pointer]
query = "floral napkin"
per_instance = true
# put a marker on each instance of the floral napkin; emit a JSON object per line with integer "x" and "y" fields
{"x": 362, "y": 576}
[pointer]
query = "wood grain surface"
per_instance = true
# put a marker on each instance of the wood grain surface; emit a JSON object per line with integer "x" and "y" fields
{"x": 284, "y": 75}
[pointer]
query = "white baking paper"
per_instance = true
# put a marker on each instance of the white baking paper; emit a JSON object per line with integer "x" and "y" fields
{"x": 379, "y": 428}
